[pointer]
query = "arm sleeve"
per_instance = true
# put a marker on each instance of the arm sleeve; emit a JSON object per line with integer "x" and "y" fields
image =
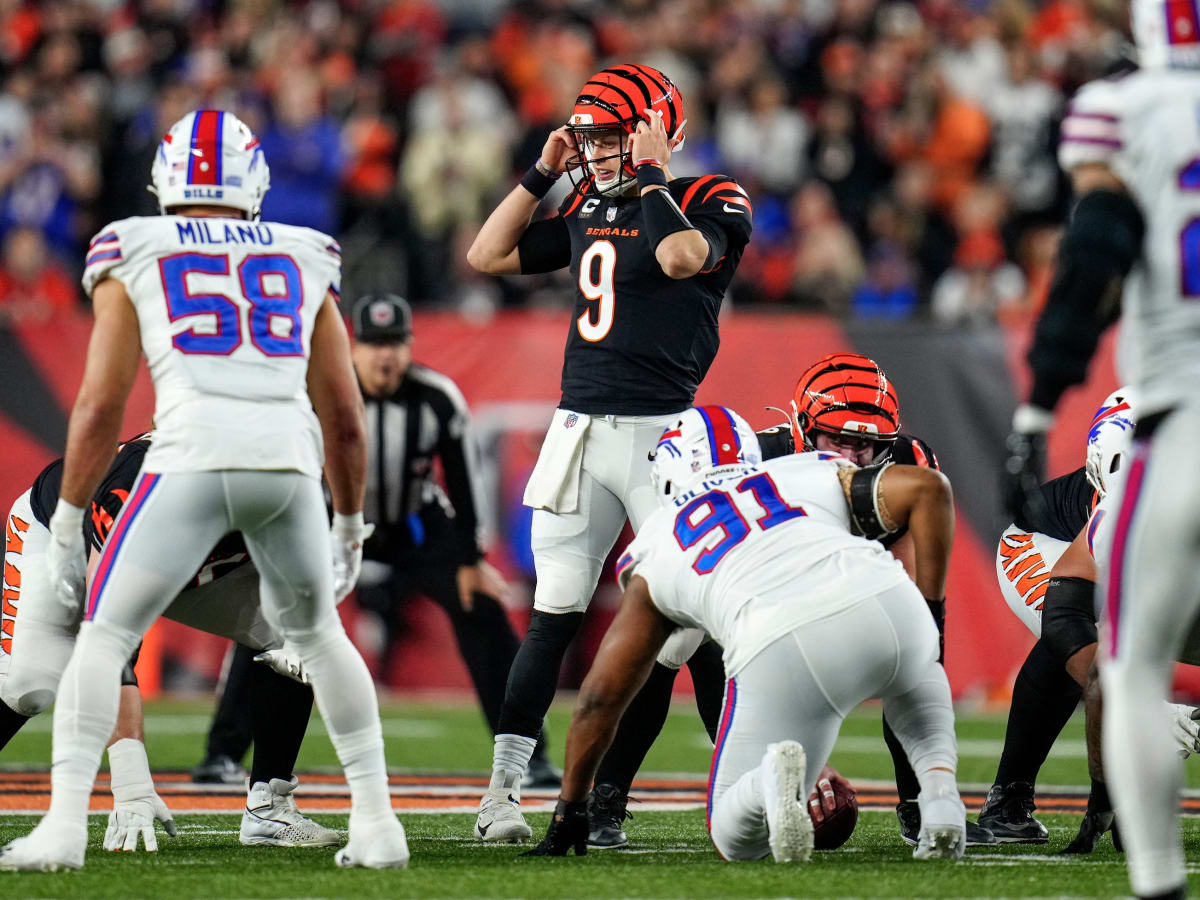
{"x": 545, "y": 246}
{"x": 460, "y": 467}
{"x": 1101, "y": 243}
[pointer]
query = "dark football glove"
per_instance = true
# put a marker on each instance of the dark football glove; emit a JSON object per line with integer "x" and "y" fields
{"x": 1025, "y": 465}
{"x": 568, "y": 828}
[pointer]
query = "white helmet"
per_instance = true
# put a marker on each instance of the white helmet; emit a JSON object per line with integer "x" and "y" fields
{"x": 706, "y": 440}
{"x": 1110, "y": 438}
{"x": 210, "y": 158}
{"x": 1167, "y": 33}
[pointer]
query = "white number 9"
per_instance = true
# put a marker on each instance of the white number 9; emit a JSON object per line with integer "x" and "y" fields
{"x": 600, "y": 289}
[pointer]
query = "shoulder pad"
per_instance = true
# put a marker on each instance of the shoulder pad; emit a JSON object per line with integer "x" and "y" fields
{"x": 712, "y": 195}
{"x": 1091, "y": 131}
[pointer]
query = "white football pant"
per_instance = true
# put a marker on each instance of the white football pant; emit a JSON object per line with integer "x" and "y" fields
{"x": 1023, "y": 563}
{"x": 164, "y": 532}
{"x": 803, "y": 685}
{"x": 1151, "y": 595}
{"x": 569, "y": 548}
{"x": 42, "y": 636}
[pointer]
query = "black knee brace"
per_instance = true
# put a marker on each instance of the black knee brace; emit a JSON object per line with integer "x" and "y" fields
{"x": 1069, "y": 616}
{"x": 128, "y": 675}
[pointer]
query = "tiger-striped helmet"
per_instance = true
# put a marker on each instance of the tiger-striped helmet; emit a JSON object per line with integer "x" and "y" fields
{"x": 845, "y": 394}
{"x": 615, "y": 100}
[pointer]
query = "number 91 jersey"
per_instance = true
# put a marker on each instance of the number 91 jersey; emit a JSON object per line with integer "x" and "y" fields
{"x": 750, "y": 557}
{"x": 225, "y": 311}
{"x": 1145, "y": 127}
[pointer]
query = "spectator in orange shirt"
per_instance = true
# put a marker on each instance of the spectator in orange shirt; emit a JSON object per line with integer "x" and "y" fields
{"x": 32, "y": 285}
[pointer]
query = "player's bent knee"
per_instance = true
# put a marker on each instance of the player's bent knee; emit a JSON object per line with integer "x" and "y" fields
{"x": 1069, "y": 617}
{"x": 28, "y": 696}
{"x": 565, "y": 587}
{"x": 680, "y": 647}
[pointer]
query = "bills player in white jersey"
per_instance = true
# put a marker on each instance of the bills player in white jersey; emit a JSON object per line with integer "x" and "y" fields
{"x": 1132, "y": 148}
{"x": 251, "y": 367}
{"x": 812, "y": 618}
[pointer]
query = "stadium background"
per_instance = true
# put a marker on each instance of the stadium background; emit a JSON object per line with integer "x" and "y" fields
{"x": 900, "y": 157}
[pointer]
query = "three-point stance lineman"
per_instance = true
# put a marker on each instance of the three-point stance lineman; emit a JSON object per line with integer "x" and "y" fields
{"x": 240, "y": 329}
{"x": 652, "y": 256}
{"x": 812, "y": 618}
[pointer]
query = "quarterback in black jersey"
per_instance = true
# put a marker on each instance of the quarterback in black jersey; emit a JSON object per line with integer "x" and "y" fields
{"x": 222, "y": 598}
{"x": 650, "y": 257}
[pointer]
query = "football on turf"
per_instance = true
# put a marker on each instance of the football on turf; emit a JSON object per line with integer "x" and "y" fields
{"x": 838, "y": 825}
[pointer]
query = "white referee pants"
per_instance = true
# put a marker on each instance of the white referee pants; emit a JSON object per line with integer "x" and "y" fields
{"x": 1152, "y": 594}
{"x": 569, "y": 548}
{"x": 803, "y": 685}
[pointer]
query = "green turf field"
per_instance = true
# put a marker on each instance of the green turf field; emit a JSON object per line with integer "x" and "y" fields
{"x": 671, "y": 856}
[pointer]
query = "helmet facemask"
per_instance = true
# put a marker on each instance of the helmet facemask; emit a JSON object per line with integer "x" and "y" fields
{"x": 596, "y": 145}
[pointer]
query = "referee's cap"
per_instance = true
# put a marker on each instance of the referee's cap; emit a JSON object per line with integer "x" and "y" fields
{"x": 382, "y": 318}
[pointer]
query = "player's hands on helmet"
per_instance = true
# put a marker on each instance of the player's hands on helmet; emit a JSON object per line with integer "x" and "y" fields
{"x": 66, "y": 559}
{"x": 286, "y": 661}
{"x": 347, "y": 536}
{"x": 1185, "y": 728}
{"x": 568, "y": 828}
{"x": 650, "y": 139}
{"x": 823, "y": 800}
{"x": 1025, "y": 464}
{"x": 481, "y": 578}
{"x": 133, "y": 818}
{"x": 559, "y": 148}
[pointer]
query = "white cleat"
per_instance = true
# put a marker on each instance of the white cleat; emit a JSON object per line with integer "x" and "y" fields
{"x": 789, "y": 827}
{"x": 385, "y": 848}
{"x": 48, "y": 848}
{"x": 272, "y": 818}
{"x": 500, "y": 818}
{"x": 943, "y": 827}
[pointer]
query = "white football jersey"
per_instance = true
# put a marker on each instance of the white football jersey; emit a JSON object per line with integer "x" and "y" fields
{"x": 225, "y": 312}
{"x": 1146, "y": 128}
{"x": 752, "y": 556}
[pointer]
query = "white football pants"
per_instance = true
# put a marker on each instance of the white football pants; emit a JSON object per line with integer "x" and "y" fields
{"x": 1151, "y": 593}
{"x": 1023, "y": 563}
{"x": 164, "y": 532}
{"x": 34, "y": 655}
{"x": 569, "y": 549}
{"x": 803, "y": 685}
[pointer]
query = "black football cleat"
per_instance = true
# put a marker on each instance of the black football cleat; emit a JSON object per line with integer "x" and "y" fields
{"x": 219, "y": 769}
{"x": 909, "y": 814}
{"x": 606, "y": 811}
{"x": 1008, "y": 814}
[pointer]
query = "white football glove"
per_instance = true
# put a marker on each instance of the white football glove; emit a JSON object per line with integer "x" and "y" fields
{"x": 286, "y": 661}
{"x": 131, "y": 818}
{"x": 1185, "y": 728}
{"x": 66, "y": 560}
{"x": 136, "y": 805}
{"x": 347, "y": 536}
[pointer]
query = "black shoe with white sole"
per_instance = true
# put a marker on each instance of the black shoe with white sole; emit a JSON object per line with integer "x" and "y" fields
{"x": 606, "y": 811}
{"x": 909, "y": 814}
{"x": 1008, "y": 814}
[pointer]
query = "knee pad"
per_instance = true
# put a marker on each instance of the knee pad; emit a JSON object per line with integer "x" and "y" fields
{"x": 566, "y": 579}
{"x": 680, "y": 646}
{"x": 1069, "y": 617}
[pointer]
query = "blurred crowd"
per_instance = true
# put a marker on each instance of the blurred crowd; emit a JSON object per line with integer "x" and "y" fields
{"x": 899, "y": 153}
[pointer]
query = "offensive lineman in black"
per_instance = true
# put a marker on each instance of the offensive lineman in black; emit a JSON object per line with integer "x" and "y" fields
{"x": 652, "y": 256}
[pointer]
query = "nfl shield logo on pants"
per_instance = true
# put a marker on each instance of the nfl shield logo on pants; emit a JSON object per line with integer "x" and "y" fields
{"x": 569, "y": 421}
{"x": 610, "y": 214}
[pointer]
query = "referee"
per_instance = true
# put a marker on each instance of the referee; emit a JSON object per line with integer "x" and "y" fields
{"x": 426, "y": 538}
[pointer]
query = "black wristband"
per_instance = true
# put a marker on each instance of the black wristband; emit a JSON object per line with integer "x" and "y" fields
{"x": 662, "y": 214}
{"x": 536, "y": 183}
{"x": 649, "y": 174}
{"x": 937, "y": 609}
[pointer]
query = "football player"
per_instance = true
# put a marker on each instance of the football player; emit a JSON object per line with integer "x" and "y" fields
{"x": 1131, "y": 146}
{"x": 651, "y": 256}
{"x": 843, "y": 404}
{"x": 255, "y": 393}
{"x": 770, "y": 559}
{"x": 221, "y": 599}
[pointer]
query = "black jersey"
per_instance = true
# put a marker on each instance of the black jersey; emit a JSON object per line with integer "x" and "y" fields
{"x": 110, "y": 497}
{"x": 640, "y": 342}
{"x": 1067, "y": 502}
{"x": 907, "y": 450}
